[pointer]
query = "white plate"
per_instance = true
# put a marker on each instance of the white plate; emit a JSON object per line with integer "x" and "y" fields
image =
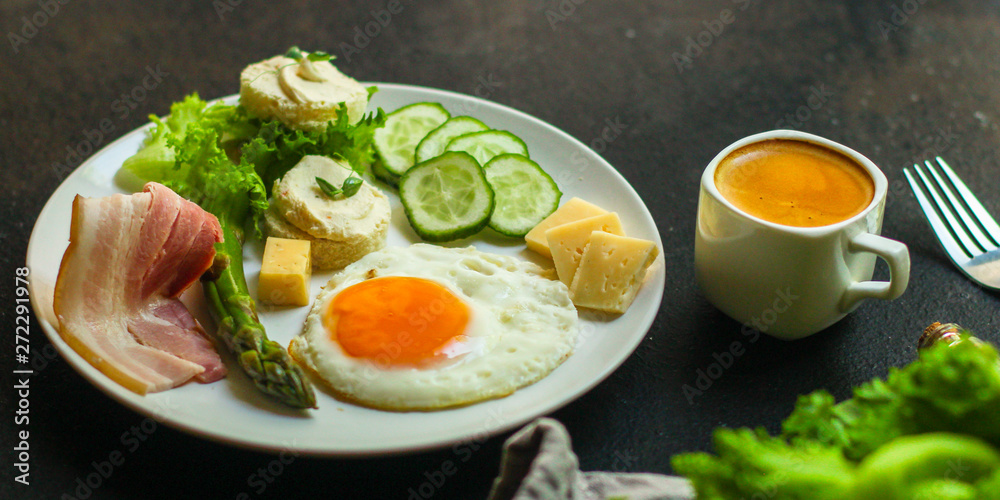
{"x": 232, "y": 411}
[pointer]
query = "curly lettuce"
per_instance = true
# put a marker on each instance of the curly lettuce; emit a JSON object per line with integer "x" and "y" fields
{"x": 156, "y": 158}
{"x": 275, "y": 148}
{"x": 929, "y": 430}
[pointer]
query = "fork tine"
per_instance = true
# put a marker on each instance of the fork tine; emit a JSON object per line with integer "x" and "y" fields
{"x": 989, "y": 225}
{"x": 956, "y": 227}
{"x": 982, "y": 242}
{"x": 952, "y": 247}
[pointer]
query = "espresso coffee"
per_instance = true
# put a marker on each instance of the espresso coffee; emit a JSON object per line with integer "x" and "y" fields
{"x": 794, "y": 183}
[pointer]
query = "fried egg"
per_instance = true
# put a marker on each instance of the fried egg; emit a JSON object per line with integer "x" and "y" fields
{"x": 426, "y": 327}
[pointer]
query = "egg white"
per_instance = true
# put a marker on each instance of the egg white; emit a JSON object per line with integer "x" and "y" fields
{"x": 522, "y": 326}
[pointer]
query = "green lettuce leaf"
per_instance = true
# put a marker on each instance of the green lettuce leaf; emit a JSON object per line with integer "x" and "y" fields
{"x": 751, "y": 463}
{"x": 277, "y": 148}
{"x": 955, "y": 389}
{"x": 951, "y": 390}
{"x": 205, "y": 174}
{"x": 156, "y": 158}
{"x": 873, "y": 417}
{"x": 989, "y": 488}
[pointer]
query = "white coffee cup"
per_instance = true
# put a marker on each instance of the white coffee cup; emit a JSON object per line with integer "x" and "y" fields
{"x": 786, "y": 281}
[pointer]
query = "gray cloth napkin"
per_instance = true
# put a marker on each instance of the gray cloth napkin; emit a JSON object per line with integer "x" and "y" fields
{"x": 538, "y": 463}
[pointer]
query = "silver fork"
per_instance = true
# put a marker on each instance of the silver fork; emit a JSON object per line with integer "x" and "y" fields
{"x": 965, "y": 229}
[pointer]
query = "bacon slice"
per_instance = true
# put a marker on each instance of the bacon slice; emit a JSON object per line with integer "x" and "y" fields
{"x": 129, "y": 258}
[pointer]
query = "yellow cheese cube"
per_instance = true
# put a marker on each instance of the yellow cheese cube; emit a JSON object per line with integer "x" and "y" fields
{"x": 567, "y": 241}
{"x": 284, "y": 272}
{"x": 611, "y": 272}
{"x": 573, "y": 210}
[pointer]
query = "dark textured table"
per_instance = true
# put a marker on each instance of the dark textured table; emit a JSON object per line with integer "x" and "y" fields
{"x": 899, "y": 81}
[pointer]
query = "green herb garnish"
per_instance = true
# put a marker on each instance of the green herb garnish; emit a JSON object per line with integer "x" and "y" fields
{"x": 349, "y": 188}
{"x": 327, "y": 188}
{"x": 304, "y": 58}
{"x": 318, "y": 56}
{"x": 294, "y": 52}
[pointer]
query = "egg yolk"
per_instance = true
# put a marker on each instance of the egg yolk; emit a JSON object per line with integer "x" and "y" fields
{"x": 396, "y": 321}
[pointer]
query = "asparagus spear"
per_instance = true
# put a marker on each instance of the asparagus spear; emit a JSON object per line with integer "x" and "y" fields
{"x": 267, "y": 363}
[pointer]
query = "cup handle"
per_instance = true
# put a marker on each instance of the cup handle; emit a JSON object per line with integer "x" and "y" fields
{"x": 895, "y": 254}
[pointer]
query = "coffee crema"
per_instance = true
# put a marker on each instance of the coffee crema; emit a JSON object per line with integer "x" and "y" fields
{"x": 794, "y": 183}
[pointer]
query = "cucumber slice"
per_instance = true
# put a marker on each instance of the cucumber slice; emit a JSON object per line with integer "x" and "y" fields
{"x": 483, "y": 146}
{"x": 524, "y": 194}
{"x": 434, "y": 142}
{"x": 379, "y": 171}
{"x": 446, "y": 198}
{"x": 397, "y": 141}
